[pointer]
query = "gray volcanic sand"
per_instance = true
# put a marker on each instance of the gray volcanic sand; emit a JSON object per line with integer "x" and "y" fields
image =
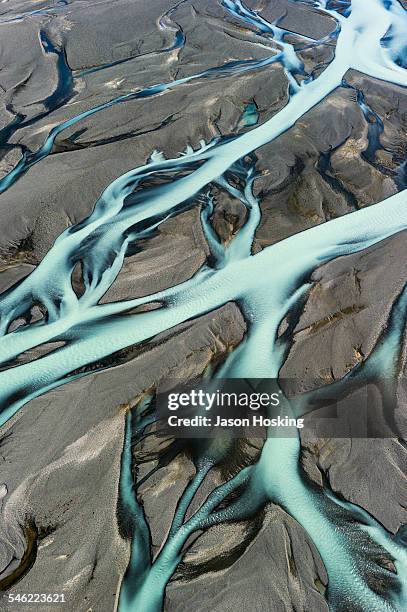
{"x": 61, "y": 462}
{"x": 60, "y": 455}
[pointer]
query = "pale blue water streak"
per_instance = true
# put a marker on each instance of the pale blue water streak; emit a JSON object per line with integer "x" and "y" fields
{"x": 61, "y": 4}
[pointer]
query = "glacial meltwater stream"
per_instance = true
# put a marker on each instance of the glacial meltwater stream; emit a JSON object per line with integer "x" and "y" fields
{"x": 370, "y": 37}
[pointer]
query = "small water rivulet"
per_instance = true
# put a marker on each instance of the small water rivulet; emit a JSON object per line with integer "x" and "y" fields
{"x": 266, "y": 291}
{"x": 165, "y": 24}
{"x": 60, "y": 4}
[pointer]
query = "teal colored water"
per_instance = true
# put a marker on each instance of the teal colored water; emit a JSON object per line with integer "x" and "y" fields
{"x": 267, "y": 285}
{"x": 250, "y": 115}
